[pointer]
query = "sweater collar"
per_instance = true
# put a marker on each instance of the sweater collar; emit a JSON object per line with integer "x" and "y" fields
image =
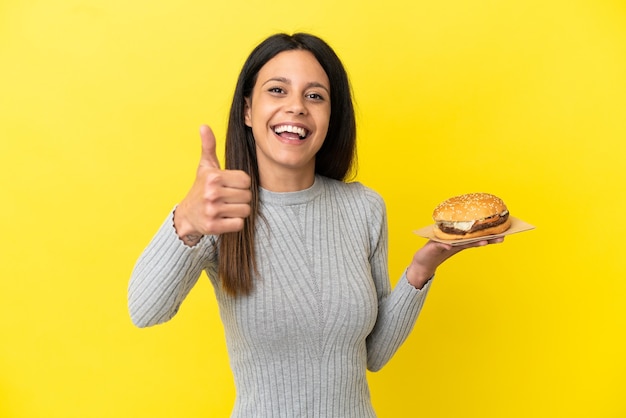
{"x": 292, "y": 198}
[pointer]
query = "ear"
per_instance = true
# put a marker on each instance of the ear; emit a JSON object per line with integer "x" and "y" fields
{"x": 247, "y": 118}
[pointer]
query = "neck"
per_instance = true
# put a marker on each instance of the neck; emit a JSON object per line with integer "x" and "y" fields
{"x": 286, "y": 181}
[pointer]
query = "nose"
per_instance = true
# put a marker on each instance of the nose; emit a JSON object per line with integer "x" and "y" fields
{"x": 296, "y": 105}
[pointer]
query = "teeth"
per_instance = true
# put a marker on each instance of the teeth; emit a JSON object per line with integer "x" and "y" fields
{"x": 292, "y": 129}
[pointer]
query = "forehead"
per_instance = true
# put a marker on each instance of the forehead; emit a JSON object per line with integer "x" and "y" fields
{"x": 295, "y": 66}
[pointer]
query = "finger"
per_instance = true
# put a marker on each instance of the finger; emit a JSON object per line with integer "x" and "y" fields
{"x": 440, "y": 246}
{"x": 229, "y": 179}
{"x": 235, "y": 196}
{"x": 208, "y": 157}
{"x": 482, "y": 243}
{"x": 225, "y": 225}
{"x": 224, "y": 217}
{"x": 237, "y": 179}
{"x": 225, "y": 195}
{"x": 473, "y": 244}
{"x": 236, "y": 210}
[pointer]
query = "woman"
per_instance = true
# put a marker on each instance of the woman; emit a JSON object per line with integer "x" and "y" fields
{"x": 297, "y": 256}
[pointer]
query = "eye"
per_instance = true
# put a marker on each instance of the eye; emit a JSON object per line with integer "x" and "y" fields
{"x": 315, "y": 96}
{"x": 276, "y": 90}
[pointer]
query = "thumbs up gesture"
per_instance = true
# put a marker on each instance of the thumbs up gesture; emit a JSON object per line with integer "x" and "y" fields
{"x": 218, "y": 201}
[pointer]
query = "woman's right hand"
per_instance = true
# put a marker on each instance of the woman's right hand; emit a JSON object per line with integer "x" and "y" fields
{"x": 218, "y": 201}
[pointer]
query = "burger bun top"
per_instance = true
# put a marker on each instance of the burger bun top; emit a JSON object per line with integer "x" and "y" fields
{"x": 469, "y": 207}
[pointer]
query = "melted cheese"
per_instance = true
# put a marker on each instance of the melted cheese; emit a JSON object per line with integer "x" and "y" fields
{"x": 465, "y": 225}
{"x": 461, "y": 226}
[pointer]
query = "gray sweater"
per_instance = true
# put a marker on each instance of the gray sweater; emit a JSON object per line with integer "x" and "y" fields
{"x": 322, "y": 309}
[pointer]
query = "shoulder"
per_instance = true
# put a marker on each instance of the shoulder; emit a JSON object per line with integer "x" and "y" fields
{"x": 353, "y": 193}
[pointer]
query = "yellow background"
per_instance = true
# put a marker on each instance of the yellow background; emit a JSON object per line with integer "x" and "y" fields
{"x": 100, "y": 104}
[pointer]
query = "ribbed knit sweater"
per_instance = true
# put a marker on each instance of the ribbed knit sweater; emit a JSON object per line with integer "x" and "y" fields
{"x": 322, "y": 310}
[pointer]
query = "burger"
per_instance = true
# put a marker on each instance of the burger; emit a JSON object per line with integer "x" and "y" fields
{"x": 470, "y": 215}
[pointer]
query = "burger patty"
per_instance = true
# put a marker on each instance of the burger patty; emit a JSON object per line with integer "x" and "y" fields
{"x": 476, "y": 227}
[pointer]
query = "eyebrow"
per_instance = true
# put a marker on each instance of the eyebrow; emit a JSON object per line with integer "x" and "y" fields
{"x": 287, "y": 81}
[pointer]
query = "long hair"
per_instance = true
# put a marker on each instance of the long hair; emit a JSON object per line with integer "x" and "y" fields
{"x": 335, "y": 159}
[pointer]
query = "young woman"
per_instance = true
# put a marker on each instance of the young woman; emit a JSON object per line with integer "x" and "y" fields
{"x": 297, "y": 255}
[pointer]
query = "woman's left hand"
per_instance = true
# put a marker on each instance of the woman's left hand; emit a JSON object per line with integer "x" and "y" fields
{"x": 430, "y": 256}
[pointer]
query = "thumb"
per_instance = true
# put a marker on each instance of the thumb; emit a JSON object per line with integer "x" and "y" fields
{"x": 208, "y": 157}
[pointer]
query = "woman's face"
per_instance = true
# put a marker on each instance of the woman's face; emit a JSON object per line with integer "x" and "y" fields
{"x": 289, "y": 111}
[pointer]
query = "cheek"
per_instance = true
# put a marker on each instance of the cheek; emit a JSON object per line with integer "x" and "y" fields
{"x": 325, "y": 124}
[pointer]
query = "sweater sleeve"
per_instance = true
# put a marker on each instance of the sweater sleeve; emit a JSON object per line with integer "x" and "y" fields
{"x": 397, "y": 313}
{"x": 398, "y": 309}
{"x": 165, "y": 273}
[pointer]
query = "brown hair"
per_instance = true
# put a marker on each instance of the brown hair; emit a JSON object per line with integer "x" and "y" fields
{"x": 336, "y": 158}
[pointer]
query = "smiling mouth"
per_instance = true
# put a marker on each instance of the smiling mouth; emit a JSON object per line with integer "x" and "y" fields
{"x": 291, "y": 132}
